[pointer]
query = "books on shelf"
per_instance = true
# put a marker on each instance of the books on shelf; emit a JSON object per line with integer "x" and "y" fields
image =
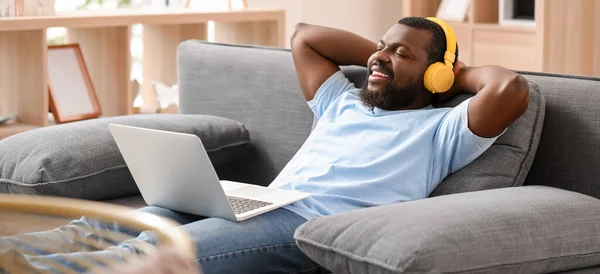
{"x": 11, "y": 8}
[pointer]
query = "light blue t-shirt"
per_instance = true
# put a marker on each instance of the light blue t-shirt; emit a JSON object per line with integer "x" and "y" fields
{"x": 357, "y": 157}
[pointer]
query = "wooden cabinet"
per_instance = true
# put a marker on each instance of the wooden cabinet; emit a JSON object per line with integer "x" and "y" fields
{"x": 569, "y": 36}
{"x": 513, "y": 49}
{"x": 464, "y": 38}
{"x": 489, "y": 44}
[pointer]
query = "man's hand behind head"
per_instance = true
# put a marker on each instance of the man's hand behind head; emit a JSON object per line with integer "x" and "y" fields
{"x": 458, "y": 67}
{"x": 456, "y": 87}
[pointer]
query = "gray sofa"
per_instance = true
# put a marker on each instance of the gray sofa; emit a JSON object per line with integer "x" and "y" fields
{"x": 546, "y": 222}
{"x": 528, "y": 205}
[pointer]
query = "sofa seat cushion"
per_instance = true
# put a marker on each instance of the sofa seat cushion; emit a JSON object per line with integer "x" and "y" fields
{"x": 528, "y": 229}
{"x": 82, "y": 160}
{"x": 507, "y": 162}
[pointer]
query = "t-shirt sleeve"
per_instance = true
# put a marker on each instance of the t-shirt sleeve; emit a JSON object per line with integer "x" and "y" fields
{"x": 330, "y": 90}
{"x": 456, "y": 144}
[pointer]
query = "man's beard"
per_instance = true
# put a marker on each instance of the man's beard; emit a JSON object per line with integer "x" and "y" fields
{"x": 391, "y": 97}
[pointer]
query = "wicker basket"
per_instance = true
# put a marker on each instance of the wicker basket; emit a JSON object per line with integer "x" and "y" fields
{"x": 74, "y": 236}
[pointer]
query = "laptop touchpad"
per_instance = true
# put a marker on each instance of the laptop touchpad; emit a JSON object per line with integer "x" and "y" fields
{"x": 250, "y": 191}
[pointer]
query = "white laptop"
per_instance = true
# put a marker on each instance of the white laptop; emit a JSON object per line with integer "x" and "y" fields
{"x": 173, "y": 170}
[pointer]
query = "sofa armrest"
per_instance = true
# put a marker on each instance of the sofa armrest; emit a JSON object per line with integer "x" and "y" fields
{"x": 81, "y": 159}
{"x": 531, "y": 229}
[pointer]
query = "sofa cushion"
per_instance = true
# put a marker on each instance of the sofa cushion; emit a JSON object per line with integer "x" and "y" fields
{"x": 507, "y": 162}
{"x": 528, "y": 229}
{"x": 569, "y": 151}
{"x": 81, "y": 159}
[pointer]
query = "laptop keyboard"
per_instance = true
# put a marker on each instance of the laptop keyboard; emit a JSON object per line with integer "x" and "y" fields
{"x": 241, "y": 205}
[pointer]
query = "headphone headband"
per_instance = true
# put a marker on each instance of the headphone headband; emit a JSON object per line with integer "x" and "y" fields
{"x": 450, "y": 54}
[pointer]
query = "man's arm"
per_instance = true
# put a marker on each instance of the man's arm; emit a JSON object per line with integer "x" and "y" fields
{"x": 502, "y": 96}
{"x": 319, "y": 51}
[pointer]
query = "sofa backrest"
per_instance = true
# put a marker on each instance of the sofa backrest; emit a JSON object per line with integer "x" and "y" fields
{"x": 568, "y": 154}
{"x": 258, "y": 87}
{"x": 255, "y": 86}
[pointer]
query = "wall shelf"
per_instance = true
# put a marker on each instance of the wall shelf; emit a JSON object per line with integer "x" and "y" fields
{"x": 104, "y": 38}
{"x": 496, "y": 27}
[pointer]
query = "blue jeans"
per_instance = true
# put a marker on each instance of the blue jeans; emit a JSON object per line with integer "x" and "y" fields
{"x": 262, "y": 244}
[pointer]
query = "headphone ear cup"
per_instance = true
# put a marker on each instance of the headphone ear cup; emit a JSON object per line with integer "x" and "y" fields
{"x": 438, "y": 77}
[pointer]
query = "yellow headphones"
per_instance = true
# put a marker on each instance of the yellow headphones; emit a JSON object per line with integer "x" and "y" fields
{"x": 439, "y": 76}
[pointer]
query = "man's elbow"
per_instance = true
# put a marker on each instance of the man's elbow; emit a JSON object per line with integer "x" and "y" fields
{"x": 297, "y": 35}
{"x": 515, "y": 93}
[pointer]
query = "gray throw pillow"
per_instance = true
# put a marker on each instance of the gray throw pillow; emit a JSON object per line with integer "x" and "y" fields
{"x": 528, "y": 229}
{"x": 81, "y": 159}
{"x": 507, "y": 162}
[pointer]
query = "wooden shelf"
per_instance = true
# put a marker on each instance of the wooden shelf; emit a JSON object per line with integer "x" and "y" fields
{"x": 14, "y": 128}
{"x": 512, "y": 29}
{"x": 104, "y": 38}
{"x": 126, "y": 17}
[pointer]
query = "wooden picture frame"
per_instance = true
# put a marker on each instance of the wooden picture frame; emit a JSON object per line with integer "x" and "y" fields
{"x": 71, "y": 94}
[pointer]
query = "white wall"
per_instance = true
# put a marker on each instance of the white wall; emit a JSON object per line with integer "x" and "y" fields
{"x": 369, "y": 18}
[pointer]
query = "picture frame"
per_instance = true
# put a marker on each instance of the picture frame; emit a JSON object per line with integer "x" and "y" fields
{"x": 453, "y": 10}
{"x": 71, "y": 93}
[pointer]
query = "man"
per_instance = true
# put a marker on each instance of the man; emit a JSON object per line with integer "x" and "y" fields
{"x": 384, "y": 143}
{"x": 379, "y": 144}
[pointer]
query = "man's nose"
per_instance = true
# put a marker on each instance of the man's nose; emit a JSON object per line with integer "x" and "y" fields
{"x": 382, "y": 56}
